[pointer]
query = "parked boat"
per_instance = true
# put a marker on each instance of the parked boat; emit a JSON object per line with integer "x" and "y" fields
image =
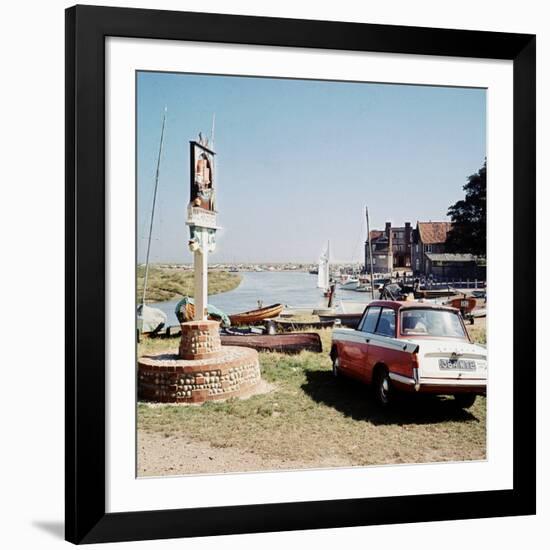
{"x": 349, "y": 284}
{"x": 288, "y": 325}
{"x": 185, "y": 311}
{"x": 436, "y": 293}
{"x": 350, "y": 320}
{"x": 256, "y": 315}
{"x": 150, "y": 319}
{"x": 363, "y": 288}
{"x": 282, "y": 343}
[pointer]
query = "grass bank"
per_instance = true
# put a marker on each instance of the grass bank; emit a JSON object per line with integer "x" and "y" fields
{"x": 168, "y": 283}
{"x": 311, "y": 418}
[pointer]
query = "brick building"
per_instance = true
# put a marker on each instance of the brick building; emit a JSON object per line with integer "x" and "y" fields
{"x": 427, "y": 238}
{"x": 391, "y": 248}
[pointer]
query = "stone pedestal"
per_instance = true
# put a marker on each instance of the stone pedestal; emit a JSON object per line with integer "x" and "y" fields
{"x": 202, "y": 370}
{"x": 170, "y": 379}
{"x": 200, "y": 340}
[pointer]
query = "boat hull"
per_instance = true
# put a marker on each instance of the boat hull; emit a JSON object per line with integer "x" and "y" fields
{"x": 256, "y": 316}
{"x": 282, "y": 343}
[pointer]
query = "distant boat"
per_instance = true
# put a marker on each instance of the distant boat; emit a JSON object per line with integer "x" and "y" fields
{"x": 350, "y": 283}
{"x": 323, "y": 275}
{"x": 256, "y": 315}
{"x": 363, "y": 288}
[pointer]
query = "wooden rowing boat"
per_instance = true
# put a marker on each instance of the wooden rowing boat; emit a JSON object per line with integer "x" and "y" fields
{"x": 282, "y": 343}
{"x": 256, "y": 315}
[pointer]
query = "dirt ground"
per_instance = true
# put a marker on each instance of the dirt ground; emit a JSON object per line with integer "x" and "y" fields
{"x": 160, "y": 456}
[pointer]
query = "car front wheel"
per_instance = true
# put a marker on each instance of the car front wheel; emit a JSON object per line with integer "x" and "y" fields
{"x": 465, "y": 400}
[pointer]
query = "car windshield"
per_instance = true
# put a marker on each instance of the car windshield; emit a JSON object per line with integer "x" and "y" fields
{"x": 431, "y": 322}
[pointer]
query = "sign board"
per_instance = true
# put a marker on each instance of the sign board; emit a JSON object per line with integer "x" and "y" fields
{"x": 203, "y": 189}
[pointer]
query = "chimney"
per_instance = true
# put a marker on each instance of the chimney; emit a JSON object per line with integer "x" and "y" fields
{"x": 408, "y": 232}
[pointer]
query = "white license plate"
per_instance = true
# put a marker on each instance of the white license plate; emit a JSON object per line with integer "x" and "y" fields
{"x": 457, "y": 364}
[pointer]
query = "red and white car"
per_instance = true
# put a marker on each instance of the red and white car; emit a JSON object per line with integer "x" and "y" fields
{"x": 412, "y": 347}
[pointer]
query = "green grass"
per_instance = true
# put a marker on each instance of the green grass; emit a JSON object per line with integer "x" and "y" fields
{"x": 310, "y": 415}
{"x": 168, "y": 283}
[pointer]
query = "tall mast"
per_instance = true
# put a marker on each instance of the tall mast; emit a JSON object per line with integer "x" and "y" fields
{"x": 153, "y": 208}
{"x": 212, "y": 132}
{"x": 328, "y": 264}
{"x": 370, "y": 253}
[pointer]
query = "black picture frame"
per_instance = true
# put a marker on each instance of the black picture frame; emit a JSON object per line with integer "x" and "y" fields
{"x": 86, "y": 30}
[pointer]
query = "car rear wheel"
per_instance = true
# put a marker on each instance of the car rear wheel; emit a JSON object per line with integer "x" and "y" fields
{"x": 465, "y": 400}
{"x": 336, "y": 365}
{"x": 383, "y": 390}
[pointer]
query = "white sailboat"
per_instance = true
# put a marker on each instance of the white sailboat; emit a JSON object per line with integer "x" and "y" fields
{"x": 323, "y": 277}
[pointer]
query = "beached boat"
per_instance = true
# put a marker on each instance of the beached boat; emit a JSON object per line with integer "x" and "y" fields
{"x": 284, "y": 325}
{"x": 282, "y": 343}
{"x": 350, "y": 320}
{"x": 185, "y": 311}
{"x": 256, "y": 315}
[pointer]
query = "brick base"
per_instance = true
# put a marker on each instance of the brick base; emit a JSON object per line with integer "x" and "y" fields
{"x": 200, "y": 340}
{"x": 168, "y": 378}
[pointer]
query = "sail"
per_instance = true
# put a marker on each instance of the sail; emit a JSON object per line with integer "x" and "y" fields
{"x": 324, "y": 275}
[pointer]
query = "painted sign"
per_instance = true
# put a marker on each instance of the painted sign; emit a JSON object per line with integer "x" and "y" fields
{"x": 203, "y": 193}
{"x": 201, "y": 210}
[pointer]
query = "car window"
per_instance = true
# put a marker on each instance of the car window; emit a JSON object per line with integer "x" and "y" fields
{"x": 432, "y": 322}
{"x": 386, "y": 322}
{"x": 368, "y": 323}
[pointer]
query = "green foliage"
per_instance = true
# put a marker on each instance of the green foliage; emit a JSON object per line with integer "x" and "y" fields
{"x": 469, "y": 217}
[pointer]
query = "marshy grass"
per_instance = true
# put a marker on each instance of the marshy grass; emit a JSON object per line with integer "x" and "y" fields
{"x": 169, "y": 283}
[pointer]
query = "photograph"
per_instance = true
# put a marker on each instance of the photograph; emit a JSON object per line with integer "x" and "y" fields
{"x": 311, "y": 267}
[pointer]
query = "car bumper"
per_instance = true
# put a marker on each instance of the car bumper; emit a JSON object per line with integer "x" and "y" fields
{"x": 439, "y": 385}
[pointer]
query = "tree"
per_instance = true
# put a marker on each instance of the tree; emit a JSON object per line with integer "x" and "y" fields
{"x": 469, "y": 217}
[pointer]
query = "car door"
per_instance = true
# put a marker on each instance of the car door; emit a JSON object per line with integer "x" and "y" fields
{"x": 359, "y": 350}
{"x": 382, "y": 344}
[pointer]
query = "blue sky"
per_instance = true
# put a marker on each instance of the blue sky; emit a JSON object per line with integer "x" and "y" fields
{"x": 298, "y": 161}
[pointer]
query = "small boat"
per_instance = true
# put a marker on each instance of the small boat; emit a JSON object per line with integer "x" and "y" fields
{"x": 350, "y": 320}
{"x": 282, "y": 343}
{"x": 150, "y": 319}
{"x": 185, "y": 311}
{"x": 436, "y": 293}
{"x": 350, "y": 284}
{"x": 256, "y": 315}
{"x": 363, "y": 288}
{"x": 288, "y": 325}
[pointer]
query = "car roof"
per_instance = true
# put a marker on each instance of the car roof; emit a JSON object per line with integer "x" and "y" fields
{"x": 413, "y": 304}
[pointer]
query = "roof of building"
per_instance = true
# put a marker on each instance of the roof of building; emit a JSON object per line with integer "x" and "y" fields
{"x": 433, "y": 232}
{"x": 451, "y": 257}
{"x": 376, "y": 234}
